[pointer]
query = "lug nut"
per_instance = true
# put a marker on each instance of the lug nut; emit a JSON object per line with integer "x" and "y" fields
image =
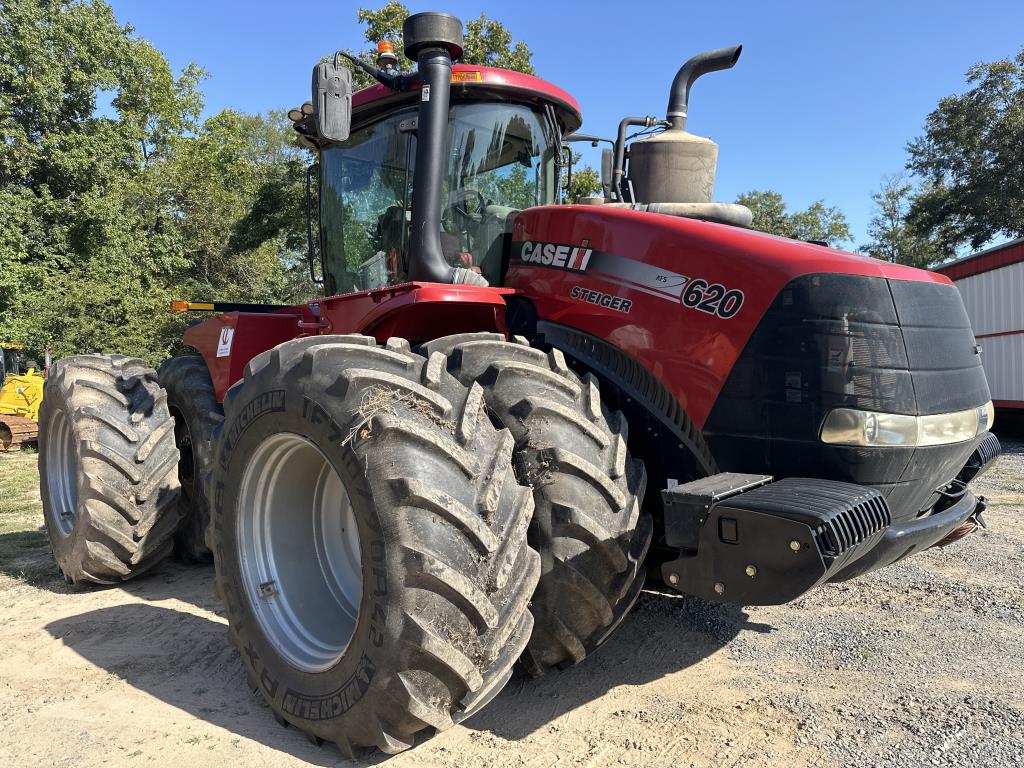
{"x": 794, "y": 545}
{"x": 719, "y": 587}
{"x": 673, "y": 578}
{"x": 751, "y": 571}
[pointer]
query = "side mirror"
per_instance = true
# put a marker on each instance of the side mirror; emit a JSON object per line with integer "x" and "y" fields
{"x": 607, "y": 161}
{"x": 332, "y": 100}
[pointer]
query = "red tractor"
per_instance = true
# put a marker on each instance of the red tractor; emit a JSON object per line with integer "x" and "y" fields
{"x": 506, "y": 411}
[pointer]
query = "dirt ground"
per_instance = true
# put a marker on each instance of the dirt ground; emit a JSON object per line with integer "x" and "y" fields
{"x": 919, "y": 664}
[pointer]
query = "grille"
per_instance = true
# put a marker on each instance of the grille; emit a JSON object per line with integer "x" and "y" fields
{"x": 988, "y": 450}
{"x": 852, "y": 527}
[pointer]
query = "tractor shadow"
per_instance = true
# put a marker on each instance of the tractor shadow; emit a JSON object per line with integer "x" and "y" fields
{"x": 664, "y": 633}
{"x": 184, "y": 659}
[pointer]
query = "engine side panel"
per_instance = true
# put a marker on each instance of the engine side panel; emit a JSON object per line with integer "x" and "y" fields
{"x": 681, "y": 297}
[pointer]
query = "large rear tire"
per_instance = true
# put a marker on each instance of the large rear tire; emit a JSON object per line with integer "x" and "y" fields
{"x": 370, "y": 541}
{"x": 588, "y": 524}
{"x": 107, "y": 468}
{"x": 192, "y": 402}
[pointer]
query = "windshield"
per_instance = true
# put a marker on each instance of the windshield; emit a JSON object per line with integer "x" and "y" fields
{"x": 501, "y": 160}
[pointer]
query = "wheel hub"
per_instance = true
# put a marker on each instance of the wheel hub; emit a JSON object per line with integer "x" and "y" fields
{"x": 299, "y": 551}
{"x": 61, "y": 474}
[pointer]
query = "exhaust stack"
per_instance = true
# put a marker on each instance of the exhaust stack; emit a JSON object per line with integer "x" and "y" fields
{"x": 676, "y": 166}
{"x": 701, "y": 64}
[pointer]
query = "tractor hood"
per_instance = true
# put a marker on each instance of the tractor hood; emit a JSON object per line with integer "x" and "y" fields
{"x": 705, "y": 286}
{"x": 758, "y": 340}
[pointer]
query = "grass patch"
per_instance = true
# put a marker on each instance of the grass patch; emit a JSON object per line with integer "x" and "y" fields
{"x": 24, "y": 548}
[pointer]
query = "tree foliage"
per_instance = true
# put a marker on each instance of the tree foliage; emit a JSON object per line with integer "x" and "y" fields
{"x": 585, "y": 181}
{"x": 487, "y": 42}
{"x": 816, "y": 222}
{"x": 892, "y": 239}
{"x": 110, "y": 211}
{"x": 971, "y": 158}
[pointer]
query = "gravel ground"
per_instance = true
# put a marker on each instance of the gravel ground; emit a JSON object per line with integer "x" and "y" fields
{"x": 920, "y": 664}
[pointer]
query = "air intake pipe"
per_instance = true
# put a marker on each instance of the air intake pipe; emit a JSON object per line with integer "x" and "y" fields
{"x": 701, "y": 64}
{"x": 432, "y": 40}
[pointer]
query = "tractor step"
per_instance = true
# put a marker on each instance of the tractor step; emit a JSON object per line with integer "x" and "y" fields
{"x": 16, "y": 431}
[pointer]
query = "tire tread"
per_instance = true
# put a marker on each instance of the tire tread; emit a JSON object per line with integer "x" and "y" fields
{"x": 572, "y": 450}
{"x": 124, "y": 461}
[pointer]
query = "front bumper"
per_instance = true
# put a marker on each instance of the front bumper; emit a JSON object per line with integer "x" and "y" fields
{"x": 908, "y": 538}
{"x": 747, "y": 540}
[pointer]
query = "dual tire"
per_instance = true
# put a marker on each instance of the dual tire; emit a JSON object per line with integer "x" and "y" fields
{"x": 498, "y": 516}
{"x": 412, "y": 478}
{"x": 123, "y": 453}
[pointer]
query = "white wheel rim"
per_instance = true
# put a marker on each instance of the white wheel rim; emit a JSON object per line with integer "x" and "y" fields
{"x": 61, "y": 474}
{"x": 299, "y": 551}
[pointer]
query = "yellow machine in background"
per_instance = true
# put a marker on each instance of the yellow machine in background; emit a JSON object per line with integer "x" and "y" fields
{"x": 20, "y": 396}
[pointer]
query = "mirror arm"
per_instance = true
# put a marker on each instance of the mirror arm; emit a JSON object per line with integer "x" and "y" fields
{"x": 392, "y": 80}
{"x": 588, "y": 137}
{"x": 568, "y": 181}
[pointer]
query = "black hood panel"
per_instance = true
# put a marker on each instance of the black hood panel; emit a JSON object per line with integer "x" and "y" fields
{"x": 831, "y": 341}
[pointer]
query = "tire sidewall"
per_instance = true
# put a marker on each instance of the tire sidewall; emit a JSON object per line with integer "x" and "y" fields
{"x": 315, "y": 701}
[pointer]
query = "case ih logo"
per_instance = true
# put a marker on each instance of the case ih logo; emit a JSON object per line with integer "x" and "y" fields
{"x": 574, "y": 257}
{"x": 703, "y": 295}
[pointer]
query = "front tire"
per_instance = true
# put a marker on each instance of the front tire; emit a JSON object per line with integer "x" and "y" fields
{"x": 415, "y": 619}
{"x": 107, "y": 468}
{"x": 588, "y": 525}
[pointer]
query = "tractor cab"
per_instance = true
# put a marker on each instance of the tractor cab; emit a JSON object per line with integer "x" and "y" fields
{"x": 503, "y": 134}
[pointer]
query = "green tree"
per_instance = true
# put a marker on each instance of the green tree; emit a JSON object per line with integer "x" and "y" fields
{"x": 487, "y": 42}
{"x": 970, "y": 158}
{"x": 277, "y": 212}
{"x": 816, "y": 222}
{"x": 892, "y": 239}
{"x": 585, "y": 181}
{"x": 225, "y": 180}
{"x": 80, "y": 271}
{"x": 110, "y": 213}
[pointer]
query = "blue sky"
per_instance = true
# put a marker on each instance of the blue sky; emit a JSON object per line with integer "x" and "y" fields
{"x": 820, "y": 106}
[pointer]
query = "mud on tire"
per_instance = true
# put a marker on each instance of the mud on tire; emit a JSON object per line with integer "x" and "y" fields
{"x": 107, "y": 468}
{"x": 445, "y": 574}
{"x": 588, "y": 525}
{"x": 197, "y": 414}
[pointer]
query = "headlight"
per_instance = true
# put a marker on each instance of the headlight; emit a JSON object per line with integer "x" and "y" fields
{"x": 849, "y": 426}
